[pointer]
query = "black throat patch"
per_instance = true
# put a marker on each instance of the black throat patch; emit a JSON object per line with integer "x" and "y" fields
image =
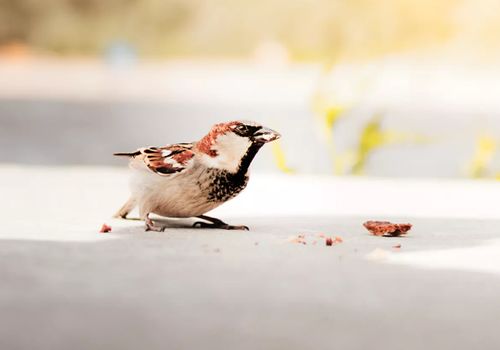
{"x": 226, "y": 185}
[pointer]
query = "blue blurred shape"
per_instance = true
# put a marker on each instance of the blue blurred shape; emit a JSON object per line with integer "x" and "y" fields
{"x": 121, "y": 54}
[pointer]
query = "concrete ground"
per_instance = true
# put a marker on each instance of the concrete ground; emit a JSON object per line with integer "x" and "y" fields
{"x": 66, "y": 286}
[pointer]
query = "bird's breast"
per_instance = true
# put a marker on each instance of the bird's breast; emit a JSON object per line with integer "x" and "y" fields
{"x": 187, "y": 194}
{"x": 223, "y": 185}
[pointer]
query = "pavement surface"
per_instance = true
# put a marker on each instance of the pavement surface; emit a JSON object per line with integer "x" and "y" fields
{"x": 66, "y": 286}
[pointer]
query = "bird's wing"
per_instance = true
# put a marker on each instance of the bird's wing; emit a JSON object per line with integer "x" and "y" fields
{"x": 166, "y": 160}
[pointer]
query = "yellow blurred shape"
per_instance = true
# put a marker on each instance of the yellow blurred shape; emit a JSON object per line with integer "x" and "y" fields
{"x": 329, "y": 115}
{"x": 330, "y": 119}
{"x": 373, "y": 137}
{"x": 280, "y": 158}
{"x": 328, "y": 112}
{"x": 332, "y": 115}
{"x": 485, "y": 151}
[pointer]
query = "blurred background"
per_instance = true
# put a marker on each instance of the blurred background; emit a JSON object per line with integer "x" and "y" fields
{"x": 405, "y": 88}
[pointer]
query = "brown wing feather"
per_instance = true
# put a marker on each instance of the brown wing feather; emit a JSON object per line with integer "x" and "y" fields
{"x": 169, "y": 159}
{"x": 165, "y": 160}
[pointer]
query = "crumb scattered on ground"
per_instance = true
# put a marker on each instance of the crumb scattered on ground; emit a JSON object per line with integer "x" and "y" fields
{"x": 387, "y": 229}
{"x": 302, "y": 239}
{"x": 105, "y": 228}
{"x": 397, "y": 246}
{"x": 330, "y": 241}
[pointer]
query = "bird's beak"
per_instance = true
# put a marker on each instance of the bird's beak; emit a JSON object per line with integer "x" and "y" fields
{"x": 265, "y": 135}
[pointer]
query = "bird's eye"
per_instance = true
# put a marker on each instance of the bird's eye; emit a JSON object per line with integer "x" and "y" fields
{"x": 242, "y": 129}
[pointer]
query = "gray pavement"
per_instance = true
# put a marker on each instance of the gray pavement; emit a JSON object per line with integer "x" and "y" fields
{"x": 65, "y": 286}
{"x": 187, "y": 289}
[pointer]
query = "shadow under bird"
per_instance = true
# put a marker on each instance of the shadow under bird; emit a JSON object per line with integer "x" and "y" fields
{"x": 189, "y": 179}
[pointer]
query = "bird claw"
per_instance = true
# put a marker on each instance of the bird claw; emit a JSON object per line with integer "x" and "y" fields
{"x": 200, "y": 224}
{"x": 242, "y": 228}
{"x": 153, "y": 228}
{"x": 150, "y": 225}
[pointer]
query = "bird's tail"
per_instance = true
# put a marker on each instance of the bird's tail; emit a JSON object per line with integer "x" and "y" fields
{"x": 126, "y": 154}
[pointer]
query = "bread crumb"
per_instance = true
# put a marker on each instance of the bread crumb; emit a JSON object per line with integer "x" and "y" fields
{"x": 105, "y": 228}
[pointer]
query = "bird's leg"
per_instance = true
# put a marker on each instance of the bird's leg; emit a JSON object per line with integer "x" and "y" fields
{"x": 126, "y": 209}
{"x": 216, "y": 223}
{"x": 150, "y": 226}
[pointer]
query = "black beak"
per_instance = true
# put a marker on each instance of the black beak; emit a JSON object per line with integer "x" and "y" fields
{"x": 265, "y": 135}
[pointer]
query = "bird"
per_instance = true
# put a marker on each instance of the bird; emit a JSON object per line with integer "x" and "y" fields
{"x": 187, "y": 180}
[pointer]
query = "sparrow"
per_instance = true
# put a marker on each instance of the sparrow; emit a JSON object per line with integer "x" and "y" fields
{"x": 190, "y": 179}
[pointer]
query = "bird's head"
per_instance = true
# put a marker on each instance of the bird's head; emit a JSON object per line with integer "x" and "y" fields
{"x": 227, "y": 145}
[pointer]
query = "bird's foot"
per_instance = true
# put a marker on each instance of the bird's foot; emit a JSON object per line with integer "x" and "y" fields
{"x": 217, "y": 224}
{"x": 200, "y": 224}
{"x": 150, "y": 226}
